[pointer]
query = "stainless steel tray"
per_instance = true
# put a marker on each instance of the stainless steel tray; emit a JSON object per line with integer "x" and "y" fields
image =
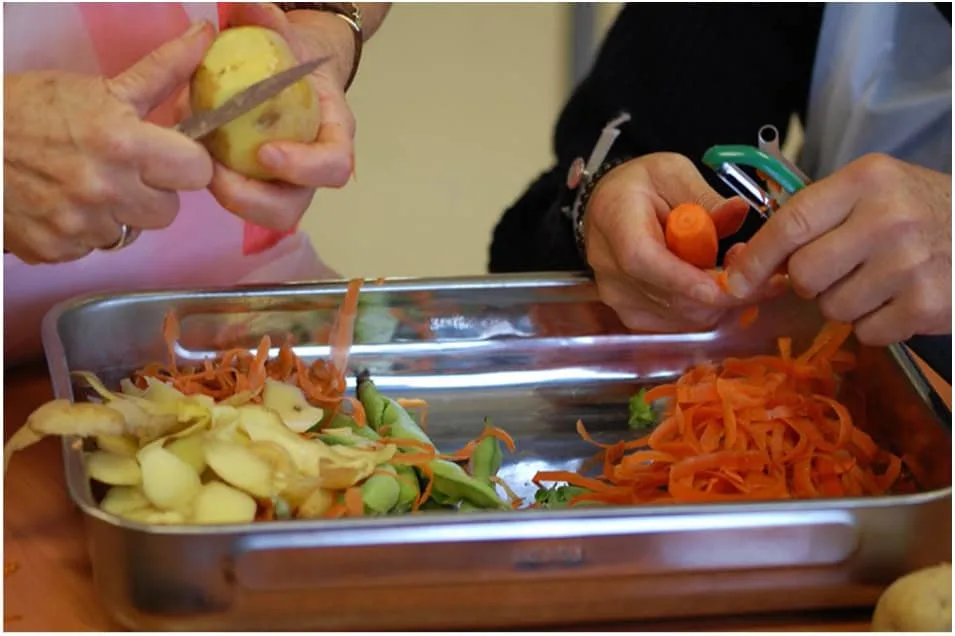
{"x": 536, "y": 354}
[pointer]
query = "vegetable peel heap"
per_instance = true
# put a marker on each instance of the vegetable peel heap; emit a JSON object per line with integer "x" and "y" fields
{"x": 760, "y": 428}
{"x": 253, "y": 437}
{"x": 247, "y": 437}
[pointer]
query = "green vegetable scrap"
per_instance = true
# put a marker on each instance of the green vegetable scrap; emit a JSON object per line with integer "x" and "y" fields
{"x": 557, "y": 497}
{"x": 486, "y": 459}
{"x": 451, "y": 483}
{"x": 409, "y": 488}
{"x": 381, "y": 491}
{"x": 641, "y": 413}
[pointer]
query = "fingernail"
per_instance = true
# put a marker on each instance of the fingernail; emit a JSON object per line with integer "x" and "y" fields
{"x": 738, "y": 285}
{"x": 196, "y": 28}
{"x": 272, "y": 157}
{"x": 704, "y": 293}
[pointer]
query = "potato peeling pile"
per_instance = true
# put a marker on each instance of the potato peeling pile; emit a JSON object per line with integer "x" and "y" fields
{"x": 246, "y": 438}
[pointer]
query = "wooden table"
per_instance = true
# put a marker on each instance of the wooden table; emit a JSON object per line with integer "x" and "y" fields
{"x": 52, "y": 590}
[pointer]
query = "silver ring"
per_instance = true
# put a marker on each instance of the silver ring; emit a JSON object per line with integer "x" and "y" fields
{"x": 127, "y": 236}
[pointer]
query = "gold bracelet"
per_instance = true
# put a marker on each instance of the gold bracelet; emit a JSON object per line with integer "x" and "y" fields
{"x": 350, "y": 12}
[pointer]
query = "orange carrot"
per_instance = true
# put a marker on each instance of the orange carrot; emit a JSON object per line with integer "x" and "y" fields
{"x": 691, "y": 235}
{"x": 749, "y": 315}
{"x": 759, "y": 428}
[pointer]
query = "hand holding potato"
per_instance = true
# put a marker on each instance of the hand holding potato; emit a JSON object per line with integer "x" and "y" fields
{"x": 298, "y": 169}
{"x": 79, "y": 161}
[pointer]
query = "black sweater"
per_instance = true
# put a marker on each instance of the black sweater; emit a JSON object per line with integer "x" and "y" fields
{"x": 682, "y": 98}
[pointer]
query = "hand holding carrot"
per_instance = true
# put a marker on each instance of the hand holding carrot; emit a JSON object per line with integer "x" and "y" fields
{"x": 644, "y": 280}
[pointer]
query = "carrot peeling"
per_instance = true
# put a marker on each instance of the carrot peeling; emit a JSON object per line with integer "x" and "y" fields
{"x": 759, "y": 428}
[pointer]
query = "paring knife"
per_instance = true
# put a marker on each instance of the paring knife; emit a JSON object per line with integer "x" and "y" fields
{"x": 200, "y": 125}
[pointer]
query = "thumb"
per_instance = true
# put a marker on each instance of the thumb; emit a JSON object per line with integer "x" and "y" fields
{"x": 148, "y": 82}
{"x": 729, "y": 216}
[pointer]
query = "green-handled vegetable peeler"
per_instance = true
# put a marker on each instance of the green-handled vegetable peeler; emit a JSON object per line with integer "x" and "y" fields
{"x": 783, "y": 178}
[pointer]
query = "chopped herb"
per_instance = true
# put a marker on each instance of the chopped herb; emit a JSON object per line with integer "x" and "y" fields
{"x": 641, "y": 414}
{"x": 557, "y": 496}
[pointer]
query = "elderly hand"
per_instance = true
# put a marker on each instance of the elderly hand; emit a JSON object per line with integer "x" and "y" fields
{"x": 873, "y": 242}
{"x": 79, "y": 161}
{"x": 648, "y": 287}
{"x": 299, "y": 168}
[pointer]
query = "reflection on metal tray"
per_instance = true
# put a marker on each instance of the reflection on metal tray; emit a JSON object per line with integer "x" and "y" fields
{"x": 536, "y": 354}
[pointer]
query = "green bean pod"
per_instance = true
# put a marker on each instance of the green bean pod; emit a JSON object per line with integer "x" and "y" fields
{"x": 384, "y": 412}
{"x": 486, "y": 459}
{"x": 342, "y": 421}
{"x": 451, "y": 483}
{"x": 380, "y": 492}
{"x": 484, "y": 464}
{"x": 408, "y": 488}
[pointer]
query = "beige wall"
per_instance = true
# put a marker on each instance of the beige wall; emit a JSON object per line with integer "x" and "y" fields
{"x": 455, "y": 105}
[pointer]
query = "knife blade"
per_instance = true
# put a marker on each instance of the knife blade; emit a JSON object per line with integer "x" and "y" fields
{"x": 201, "y": 124}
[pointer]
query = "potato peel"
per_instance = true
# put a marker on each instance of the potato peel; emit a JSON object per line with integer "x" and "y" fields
{"x": 113, "y": 470}
{"x": 219, "y": 503}
{"x": 168, "y": 482}
{"x": 290, "y": 404}
{"x": 240, "y": 467}
{"x": 122, "y": 499}
{"x": 171, "y": 458}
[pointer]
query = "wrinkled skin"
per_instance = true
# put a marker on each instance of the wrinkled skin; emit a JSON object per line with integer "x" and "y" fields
{"x": 79, "y": 161}
{"x": 650, "y": 288}
{"x": 872, "y": 243}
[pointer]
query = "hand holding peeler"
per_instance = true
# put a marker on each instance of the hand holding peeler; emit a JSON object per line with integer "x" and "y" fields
{"x": 783, "y": 178}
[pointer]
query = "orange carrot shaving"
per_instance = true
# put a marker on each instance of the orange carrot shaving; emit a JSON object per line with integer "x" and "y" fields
{"x": 335, "y": 511}
{"x": 500, "y": 435}
{"x": 354, "y": 505}
{"x": 425, "y": 494}
{"x": 691, "y": 235}
{"x": 266, "y": 510}
{"x": 758, "y": 428}
{"x": 511, "y": 495}
{"x": 237, "y": 373}
{"x": 749, "y": 315}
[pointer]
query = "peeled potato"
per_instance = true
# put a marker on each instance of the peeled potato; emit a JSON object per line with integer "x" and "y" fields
{"x": 219, "y": 503}
{"x": 115, "y": 470}
{"x": 239, "y": 466}
{"x": 168, "y": 482}
{"x": 917, "y": 602}
{"x": 238, "y": 58}
{"x": 189, "y": 449}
